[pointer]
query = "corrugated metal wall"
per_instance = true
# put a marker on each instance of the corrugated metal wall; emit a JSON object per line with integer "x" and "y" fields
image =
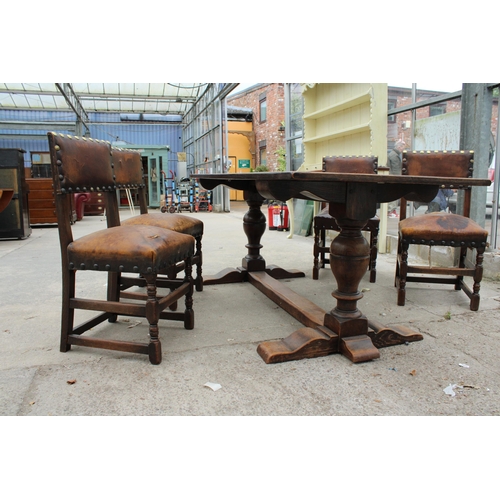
{"x": 33, "y": 115}
{"x": 104, "y": 126}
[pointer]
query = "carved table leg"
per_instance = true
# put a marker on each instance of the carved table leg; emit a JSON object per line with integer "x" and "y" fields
{"x": 344, "y": 328}
{"x": 349, "y": 258}
{"x": 254, "y": 226}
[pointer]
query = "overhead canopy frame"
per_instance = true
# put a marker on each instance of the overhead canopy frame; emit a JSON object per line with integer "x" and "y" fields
{"x": 164, "y": 98}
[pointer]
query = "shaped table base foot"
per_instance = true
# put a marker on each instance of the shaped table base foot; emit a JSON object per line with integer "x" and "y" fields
{"x": 228, "y": 275}
{"x": 359, "y": 348}
{"x": 385, "y": 336}
{"x": 303, "y": 343}
{"x": 240, "y": 274}
{"x": 278, "y": 273}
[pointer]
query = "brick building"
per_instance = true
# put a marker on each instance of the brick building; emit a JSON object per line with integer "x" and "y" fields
{"x": 398, "y": 126}
{"x": 267, "y": 100}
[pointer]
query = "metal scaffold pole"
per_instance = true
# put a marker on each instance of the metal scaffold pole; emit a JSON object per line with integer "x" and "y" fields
{"x": 494, "y": 208}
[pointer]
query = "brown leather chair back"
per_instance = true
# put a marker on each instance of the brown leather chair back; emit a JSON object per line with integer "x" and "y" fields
{"x": 127, "y": 168}
{"x": 83, "y": 165}
{"x": 438, "y": 163}
{"x": 80, "y": 165}
{"x": 129, "y": 173}
{"x": 350, "y": 164}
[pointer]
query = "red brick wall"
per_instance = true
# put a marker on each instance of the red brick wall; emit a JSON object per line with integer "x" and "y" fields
{"x": 269, "y": 130}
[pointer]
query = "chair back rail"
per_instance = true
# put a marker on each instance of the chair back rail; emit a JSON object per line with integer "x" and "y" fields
{"x": 79, "y": 165}
{"x": 129, "y": 173}
{"x": 450, "y": 164}
{"x": 351, "y": 164}
{"x": 438, "y": 163}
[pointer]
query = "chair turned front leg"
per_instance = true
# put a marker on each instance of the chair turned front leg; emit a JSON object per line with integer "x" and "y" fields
{"x": 189, "y": 313}
{"x": 199, "y": 275}
{"x": 315, "y": 272}
{"x": 153, "y": 316}
{"x": 403, "y": 271}
{"x": 67, "y": 314}
{"x": 373, "y": 255}
{"x": 478, "y": 276}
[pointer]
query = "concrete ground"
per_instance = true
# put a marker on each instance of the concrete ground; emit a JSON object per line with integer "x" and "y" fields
{"x": 453, "y": 371}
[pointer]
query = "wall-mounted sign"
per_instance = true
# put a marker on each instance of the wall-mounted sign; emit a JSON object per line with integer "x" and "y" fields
{"x": 243, "y": 163}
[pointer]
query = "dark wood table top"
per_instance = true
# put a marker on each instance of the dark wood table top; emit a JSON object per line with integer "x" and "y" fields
{"x": 317, "y": 175}
{"x": 312, "y": 178}
{"x": 344, "y": 188}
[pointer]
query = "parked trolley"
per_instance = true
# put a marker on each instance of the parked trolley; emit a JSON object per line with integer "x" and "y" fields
{"x": 185, "y": 195}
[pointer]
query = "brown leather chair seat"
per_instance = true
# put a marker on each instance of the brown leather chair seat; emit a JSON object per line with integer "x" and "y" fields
{"x": 127, "y": 167}
{"x": 326, "y": 218}
{"x": 440, "y": 229}
{"x": 179, "y": 223}
{"x": 132, "y": 249}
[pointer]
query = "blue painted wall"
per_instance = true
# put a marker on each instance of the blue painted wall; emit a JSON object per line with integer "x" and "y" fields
{"x": 105, "y": 126}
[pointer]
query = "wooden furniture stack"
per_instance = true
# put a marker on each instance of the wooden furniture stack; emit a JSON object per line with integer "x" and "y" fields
{"x": 41, "y": 200}
{"x": 14, "y": 219}
{"x": 42, "y": 207}
{"x": 95, "y": 206}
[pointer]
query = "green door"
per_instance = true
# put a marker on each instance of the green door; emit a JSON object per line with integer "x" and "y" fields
{"x": 154, "y": 181}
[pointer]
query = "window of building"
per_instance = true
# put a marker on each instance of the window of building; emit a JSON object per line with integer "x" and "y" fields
{"x": 262, "y": 108}
{"x": 262, "y": 153}
{"x": 391, "y": 104}
{"x": 40, "y": 164}
{"x": 437, "y": 109}
{"x": 294, "y": 125}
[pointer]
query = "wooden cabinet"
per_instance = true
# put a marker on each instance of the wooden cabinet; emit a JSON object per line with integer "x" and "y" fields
{"x": 14, "y": 219}
{"x": 41, "y": 201}
{"x": 96, "y": 204}
{"x": 42, "y": 207}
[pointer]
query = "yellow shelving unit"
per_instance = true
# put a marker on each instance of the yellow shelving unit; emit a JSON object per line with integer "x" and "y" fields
{"x": 344, "y": 119}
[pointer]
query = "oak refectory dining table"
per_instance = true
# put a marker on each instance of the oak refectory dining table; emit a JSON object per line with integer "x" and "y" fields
{"x": 352, "y": 200}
